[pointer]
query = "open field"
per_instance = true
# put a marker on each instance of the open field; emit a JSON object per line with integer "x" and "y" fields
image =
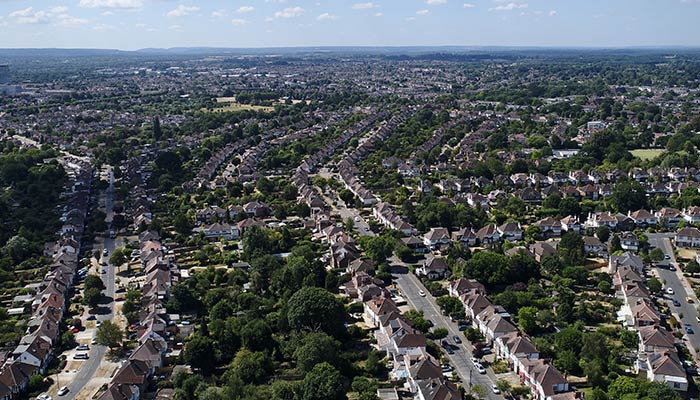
{"x": 647, "y": 154}
{"x": 233, "y": 106}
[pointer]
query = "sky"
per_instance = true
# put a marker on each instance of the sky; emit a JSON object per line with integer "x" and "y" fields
{"x": 136, "y": 24}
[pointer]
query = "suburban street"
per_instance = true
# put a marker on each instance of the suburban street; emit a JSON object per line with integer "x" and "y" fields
{"x": 410, "y": 286}
{"x": 681, "y": 289}
{"x": 79, "y": 381}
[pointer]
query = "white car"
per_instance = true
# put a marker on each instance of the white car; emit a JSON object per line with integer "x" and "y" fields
{"x": 480, "y": 368}
{"x": 421, "y": 293}
{"x": 63, "y": 391}
{"x": 495, "y": 389}
{"x": 669, "y": 290}
{"x": 44, "y": 397}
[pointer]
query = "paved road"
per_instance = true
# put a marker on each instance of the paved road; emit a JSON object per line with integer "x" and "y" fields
{"x": 97, "y": 353}
{"x": 410, "y": 285}
{"x": 681, "y": 289}
{"x": 360, "y": 223}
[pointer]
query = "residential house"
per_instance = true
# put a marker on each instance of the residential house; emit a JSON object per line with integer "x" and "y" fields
{"x": 550, "y": 227}
{"x": 629, "y": 241}
{"x": 510, "y": 231}
{"x": 466, "y": 236}
{"x": 688, "y": 237}
{"x": 654, "y": 338}
{"x": 463, "y": 286}
{"x": 488, "y": 234}
{"x": 437, "y": 238}
{"x": 666, "y": 367}
{"x": 434, "y": 268}
{"x": 593, "y": 245}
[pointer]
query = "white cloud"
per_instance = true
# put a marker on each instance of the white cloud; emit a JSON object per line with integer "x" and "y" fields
{"x": 175, "y": 27}
{"x": 238, "y": 22}
{"x": 364, "y": 6}
{"x": 379, "y": 14}
{"x": 290, "y": 12}
{"x": 509, "y": 6}
{"x": 411, "y": 19}
{"x": 245, "y": 9}
{"x": 219, "y": 14}
{"x": 56, "y": 16}
{"x": 326, "y": 17}
{"x": 422, "y": 12}
{"x": 552, "y": 13}
{"x": 102, "y": 27}
{"x": 122, "y": 4}
{"x": 468, "y": 5}
{"x": 182, "y": 10}
{"x": 435, "y": 2}
{"x": 107, "y": 14}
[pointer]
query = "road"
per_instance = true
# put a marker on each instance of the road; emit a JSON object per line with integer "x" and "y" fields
{"x": 410, "y": 285}
{"x": 97, "y": 352}
{"x": 681, "y": 289}
{"x": 360, "y": 224}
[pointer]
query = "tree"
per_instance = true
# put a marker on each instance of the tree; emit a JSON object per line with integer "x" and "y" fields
{"x": 199, "y": 353}
{"x": 478, "y": 390}
{"x": 317, "y": 348}
{"x": 109, "y": 334}
{"x": 323, "y": 382}
{"x": 603, "y": 233}
{"x": 157, "y": 131}
{"x": 656, "y": 255}
{"x": 692, "y": 267}
{"x": 251, "y": 367}
{"x": 94, "y": 281}
{"x": 527, "y": 319}
{"x": 504, "y": 386}
{"x": 451, "y": 305}
{"x": 256, "y": 335}
{"x": 628, "y": 196}
{"x": 416, "y": 319}
{"x": 92, "y": 297}
{"x": 568, "y": 362}
{"x": 182, "y": 224}
{"x": 615, "y": 244}
{"x": 68, "y": 340}
{"x": 571, "y": 248}
{"x": 378, "y": 248}
{"x": 118, "y": 257}
{"x": 654, "y": 285}
{"x": 314, "y": 309}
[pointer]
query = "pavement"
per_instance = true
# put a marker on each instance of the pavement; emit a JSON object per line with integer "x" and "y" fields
{"x": 682, "y": 290}
{"x": 78, "y": 374}
{"x": 410, "y": 286}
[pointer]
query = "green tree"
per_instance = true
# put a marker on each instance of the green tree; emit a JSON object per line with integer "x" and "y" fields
{"x": 656, "y": 255}
{"x": 603, "y": 233}
{"x": 92, "y": 297}
{"x": 527, "y": 319}
{"x": 571, "y": 249}
{"x": 314, "y": 309}
{"x": 654, "y": 285}
{"x": 199, "y": 353}
{"x": 316, "y": 348}
{"x": 251, "y": 367}
{"x": 256, "y": 335}
{"x": 109, "y": 334}
{"x": 378, "y": 248}
{"x": 323, "y": 382}
{"x": 182, "y": 224}
{"x": 692, "y": 267}
{"x": 628, "y": 196}
{"x": 118, "y": 257}
{"x": 478, "y": 391}
{"x": 94, "y": 281}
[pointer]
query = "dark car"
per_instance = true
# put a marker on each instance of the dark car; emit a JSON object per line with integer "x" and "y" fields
{"x": 676, "y": 303}
{"x": 689, "y": 330}
{"x": 457, "y": 339}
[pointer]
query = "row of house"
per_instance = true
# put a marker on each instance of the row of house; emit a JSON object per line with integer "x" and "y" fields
{"x": 509, "y": 343}
{"x": 346, "y": 167}
{"x": 47, "y": 299}
{"x": 657, "y": 356}
{"x": 153, "y": 331}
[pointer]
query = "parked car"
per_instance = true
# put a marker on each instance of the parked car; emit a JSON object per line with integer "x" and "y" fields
{"x": 83, "y": 347}
{"x": 93, "y": 341}
{"x": 670, "y": 290}
{"x": 480, "y": 368}
{"x": 63, "y": 391}
{"x": 667, "y": 257}
{"x": 105, "y": 252}
{"x": 689, "y": 330}
{"x": 457, "y": 339}
{"x": 676, "y": 303}
{"x": 44, "y": 396}
{"x": 689, "y": 300}
{"x": 81, "y": 356}
{"x": 421, "y": 293}
{"x": 495, "y": 389}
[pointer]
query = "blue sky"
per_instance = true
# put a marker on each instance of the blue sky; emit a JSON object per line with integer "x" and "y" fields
{"x": 134, "y": 24}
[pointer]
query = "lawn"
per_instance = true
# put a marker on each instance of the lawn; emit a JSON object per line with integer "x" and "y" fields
{"x": 647, "y": 154}
{"x": 229, "y": 104}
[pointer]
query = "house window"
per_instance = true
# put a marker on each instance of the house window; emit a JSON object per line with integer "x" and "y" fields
{"x": 676, "y": 385}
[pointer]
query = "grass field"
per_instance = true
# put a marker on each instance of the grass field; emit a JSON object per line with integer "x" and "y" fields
{"x": 647, "y": 154}
{"x": 229, "y": 104}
